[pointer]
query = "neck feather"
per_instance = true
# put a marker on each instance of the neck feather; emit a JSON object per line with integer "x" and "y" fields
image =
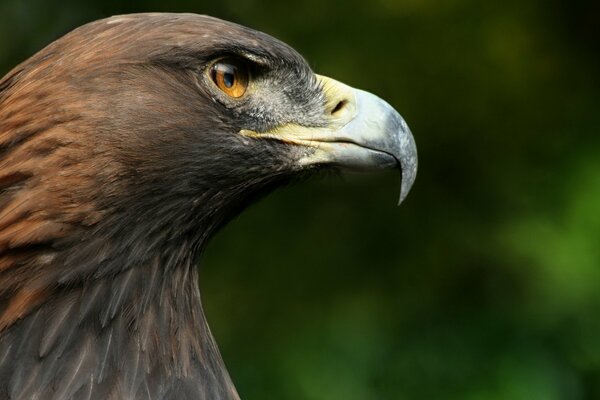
{"x": 139, "y": 332}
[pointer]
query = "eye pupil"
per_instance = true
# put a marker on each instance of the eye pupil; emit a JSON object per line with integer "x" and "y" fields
{"x": 228, "y": 79}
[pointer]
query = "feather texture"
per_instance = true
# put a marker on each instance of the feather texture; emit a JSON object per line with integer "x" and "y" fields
{"x": 117, "y": 165}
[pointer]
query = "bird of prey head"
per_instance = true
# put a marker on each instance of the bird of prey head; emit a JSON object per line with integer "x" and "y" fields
{"x": 123, "y": 146}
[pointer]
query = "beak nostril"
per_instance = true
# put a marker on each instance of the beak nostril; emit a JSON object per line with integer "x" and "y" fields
{"x": 339, "y": 106}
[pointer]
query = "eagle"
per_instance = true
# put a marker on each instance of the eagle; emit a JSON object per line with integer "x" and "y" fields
{"x": 124, "y": 146}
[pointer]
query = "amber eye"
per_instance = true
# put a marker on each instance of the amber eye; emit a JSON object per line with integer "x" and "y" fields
{"x": 231, "y": 76}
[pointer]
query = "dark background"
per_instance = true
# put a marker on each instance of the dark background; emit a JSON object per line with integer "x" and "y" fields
{"x": 485, "y": 284}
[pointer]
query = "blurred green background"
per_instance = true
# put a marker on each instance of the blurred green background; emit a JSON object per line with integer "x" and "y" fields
{"x": 485, "y": 284}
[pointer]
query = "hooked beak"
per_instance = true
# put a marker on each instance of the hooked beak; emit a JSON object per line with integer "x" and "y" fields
{"x": 363, "y": 133}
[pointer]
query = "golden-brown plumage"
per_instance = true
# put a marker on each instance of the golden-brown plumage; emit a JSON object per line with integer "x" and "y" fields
{"x": 119, "y": 158}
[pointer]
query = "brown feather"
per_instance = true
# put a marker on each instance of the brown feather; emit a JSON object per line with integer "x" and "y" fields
{"x": 116, "y": 166}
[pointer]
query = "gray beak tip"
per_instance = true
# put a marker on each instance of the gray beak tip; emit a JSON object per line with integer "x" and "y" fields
{"x": 408, "y": 178}
{"x": 407, "y": 158}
